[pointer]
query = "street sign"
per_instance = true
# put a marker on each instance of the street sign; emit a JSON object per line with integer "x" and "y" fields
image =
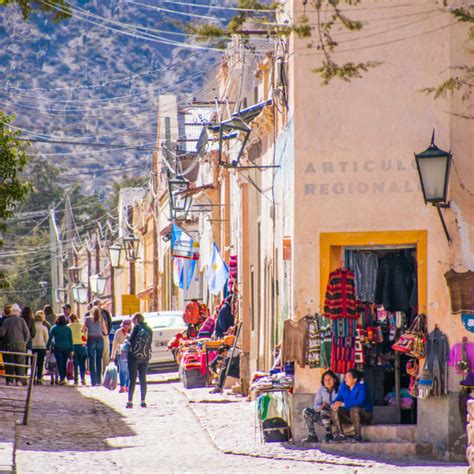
{"x": 130, "y": 304}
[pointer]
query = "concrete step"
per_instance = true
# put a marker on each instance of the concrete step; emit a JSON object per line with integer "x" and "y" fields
{"x": 389, "y": 433}
{"x": 400, "y": 450}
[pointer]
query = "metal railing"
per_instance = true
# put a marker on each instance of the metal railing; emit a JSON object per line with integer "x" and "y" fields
{"x": 15, "y": 395}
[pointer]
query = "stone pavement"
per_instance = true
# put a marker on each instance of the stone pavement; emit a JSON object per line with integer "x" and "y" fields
{"x": 220, "y": 413}
{"x": 89, "y": 430}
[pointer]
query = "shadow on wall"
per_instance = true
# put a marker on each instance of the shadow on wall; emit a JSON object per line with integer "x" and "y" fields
{"x": 64, "y": 419}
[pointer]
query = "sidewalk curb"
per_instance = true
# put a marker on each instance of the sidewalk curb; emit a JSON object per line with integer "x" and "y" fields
{"x": 8, "y": 447}
{"x": 214, "y": 441}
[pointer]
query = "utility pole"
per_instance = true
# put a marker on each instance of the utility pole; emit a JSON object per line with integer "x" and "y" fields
{"x": 89, "y": 274}
{"x": 57, "y": 278}
{"x": 68, "y": 217}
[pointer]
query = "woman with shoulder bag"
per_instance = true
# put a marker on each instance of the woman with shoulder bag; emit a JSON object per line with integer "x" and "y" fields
{"x": 94, "y": 325}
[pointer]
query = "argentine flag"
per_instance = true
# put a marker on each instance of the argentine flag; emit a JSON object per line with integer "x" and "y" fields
{"x": 217, "y": 272}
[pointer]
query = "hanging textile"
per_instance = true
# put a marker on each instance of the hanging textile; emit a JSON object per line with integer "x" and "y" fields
{"x": 437, "y": 354}
{"x": 313, "y": 348}
{"x": 326, "y": 341}
{"x": 365, "y": 266}
{"x": 340, "y": 301}
{"x": 293, "y": 348}
{"x": 343, "y": 345}
{"x": 394, "y": 282}
{"x": 461, "y": 290}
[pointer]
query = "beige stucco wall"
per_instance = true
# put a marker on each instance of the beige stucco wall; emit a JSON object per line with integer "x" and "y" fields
{"x": 354, "y": 145}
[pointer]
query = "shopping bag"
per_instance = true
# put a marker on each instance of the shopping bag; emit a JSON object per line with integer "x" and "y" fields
{"x": 70, "y": 369}
{"x": 110, "y": 377}
{"x": 50, "y": 364}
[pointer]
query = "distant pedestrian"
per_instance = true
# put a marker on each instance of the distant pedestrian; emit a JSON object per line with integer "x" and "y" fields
{"x": 27, "y": 315}
{"x": 49, "y": 315}
{"x": 139, "y": 356}
{"x": 120, "y": 353}
{"x": 16, "y": 334}
{"x": 94, "y": 326}
{"x": 61, "y": 336}
{"x": 38, "y": 345}
{"x": 80, "y": 350}
{"x": 108, "y": 325}
{"x": 7, "y": 309}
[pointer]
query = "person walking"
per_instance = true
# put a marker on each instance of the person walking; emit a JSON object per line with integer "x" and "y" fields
{"x": 49, "y": 315}
{"x": 94, "y": 326}
{"x": 27, "y": 315}
{"x": 139, "y": 356}
{"x": 38, "y": 345}
{"x": 108, "y": 325}
{"x": 120, "y": 353}
{"x": 16, "y": 335}
{"x": 61, "y": 336}
{"x": 80, "y": 350}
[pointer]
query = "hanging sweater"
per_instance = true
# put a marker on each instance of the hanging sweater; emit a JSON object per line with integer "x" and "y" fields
{"x": 394, "y": 283}
{"x": 365, "y": 270}
{"x": 340, "y": 301}
{"x": 461, "y": 290}
{"x": 293, "y": 347}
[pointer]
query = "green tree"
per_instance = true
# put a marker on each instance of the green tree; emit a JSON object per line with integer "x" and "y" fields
{"x": 28, "y": 7}
{"x": 13, "y": 160}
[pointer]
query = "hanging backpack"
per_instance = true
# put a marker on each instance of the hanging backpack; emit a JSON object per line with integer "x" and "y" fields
{"x": 192, "y": 313}
{"x": 140, "y": 348}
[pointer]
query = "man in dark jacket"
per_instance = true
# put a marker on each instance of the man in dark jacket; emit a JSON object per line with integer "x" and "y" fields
{"x": 16, "y": 334}
{"x": 225, "y": 319}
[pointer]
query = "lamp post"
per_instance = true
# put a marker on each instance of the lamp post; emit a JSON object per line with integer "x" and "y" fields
{"x": 434, "y": 166}
{"x": 116, "y": 258}
{"x": 131, "y": 245}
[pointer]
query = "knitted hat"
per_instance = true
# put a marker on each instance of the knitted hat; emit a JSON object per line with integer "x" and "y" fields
{"x": 469, "y": 380}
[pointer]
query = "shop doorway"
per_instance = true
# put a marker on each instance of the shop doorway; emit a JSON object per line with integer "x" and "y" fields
{"x": 385, "y": 372}
{"x": 385, "y": 369}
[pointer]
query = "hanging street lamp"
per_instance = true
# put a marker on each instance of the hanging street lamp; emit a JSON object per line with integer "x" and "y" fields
{"x": 434, "y": 166}
{"x": 80, "y": 294}
{"x": 179, "y": 201}
{"x": 131, "y": 245}
{"x": 98, "y": 284}
{"x": 116, "y": 255}
{"x": 75, "y": 273}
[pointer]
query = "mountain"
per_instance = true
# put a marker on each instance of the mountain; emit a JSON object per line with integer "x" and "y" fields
{"x": 95, "y": 78}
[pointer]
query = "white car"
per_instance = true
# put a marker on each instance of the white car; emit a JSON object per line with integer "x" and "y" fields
{"x": 165, "y": 325}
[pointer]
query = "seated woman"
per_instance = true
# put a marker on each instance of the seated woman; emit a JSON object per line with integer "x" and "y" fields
{"x": 352, "y": 405}
{"x": 320, "y": 413}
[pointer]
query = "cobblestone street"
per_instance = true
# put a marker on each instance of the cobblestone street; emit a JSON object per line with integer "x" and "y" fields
{"x": 89, "y": 430}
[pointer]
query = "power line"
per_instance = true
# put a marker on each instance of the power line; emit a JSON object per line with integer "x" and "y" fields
{"x": 103, "y": 84}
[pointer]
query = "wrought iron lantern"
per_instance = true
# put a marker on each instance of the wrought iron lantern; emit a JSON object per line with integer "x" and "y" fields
{"x": 434, "y": 166}
{"x": 116, "y": 255}
{"x": 75, "y": 273}
{"x": 131, "y": 245}
{"x": 80, "y": 294}
{"x": 98, "y": 284}
{"x": 180, "y": 202}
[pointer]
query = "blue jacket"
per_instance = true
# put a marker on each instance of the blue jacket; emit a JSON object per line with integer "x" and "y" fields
{"x": 225, "y": 320}
{"x": 357, "y": 397}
